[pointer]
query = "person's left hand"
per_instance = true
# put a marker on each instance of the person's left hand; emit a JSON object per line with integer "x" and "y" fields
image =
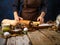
{"x": 41, "y": 19}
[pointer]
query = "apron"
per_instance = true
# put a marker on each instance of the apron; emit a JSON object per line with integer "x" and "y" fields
{"x": 30, "y": 9}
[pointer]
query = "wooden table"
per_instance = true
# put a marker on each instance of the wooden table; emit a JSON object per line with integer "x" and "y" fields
{"x": 36, "y": 37}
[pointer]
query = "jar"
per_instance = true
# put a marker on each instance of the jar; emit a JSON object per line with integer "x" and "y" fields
{"x": 6, "y": 27}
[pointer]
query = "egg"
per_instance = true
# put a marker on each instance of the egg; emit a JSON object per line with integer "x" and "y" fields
{"x": 25, "y": 29}
{"x": 58, "y": 20}
{"x": 6, "y": 33}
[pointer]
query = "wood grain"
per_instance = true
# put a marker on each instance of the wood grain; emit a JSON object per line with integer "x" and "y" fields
{"x": 38, "y": 38}
{"x": 18, "y": 40}
{"x": 52, "y": 35}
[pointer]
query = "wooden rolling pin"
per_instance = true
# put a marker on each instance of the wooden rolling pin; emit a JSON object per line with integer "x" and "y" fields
{"x": 28, "y": 22}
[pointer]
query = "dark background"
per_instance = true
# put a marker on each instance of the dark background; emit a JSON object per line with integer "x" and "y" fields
{"x": 6, "y": 12}
{"x": 6, "y": 9}
{"x": 53, "y": 10}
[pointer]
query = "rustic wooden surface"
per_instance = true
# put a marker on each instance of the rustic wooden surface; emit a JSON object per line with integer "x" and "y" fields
{"x": 37, "y": 37}
{"x": 2, "y": 41}
{"x": 52, "y": 35}
{"x": 44, "y": 37}
{"x": 18, "y": 40}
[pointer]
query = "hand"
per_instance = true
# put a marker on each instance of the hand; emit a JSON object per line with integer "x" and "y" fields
{"x": 18, "y": 18}
{"x": 41, "y": 19}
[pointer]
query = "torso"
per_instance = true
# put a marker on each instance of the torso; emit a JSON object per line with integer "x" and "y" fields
{"x": 30, "y": 9}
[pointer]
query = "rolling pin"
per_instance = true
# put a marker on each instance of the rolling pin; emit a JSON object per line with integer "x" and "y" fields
{"x": 28, "y": 22}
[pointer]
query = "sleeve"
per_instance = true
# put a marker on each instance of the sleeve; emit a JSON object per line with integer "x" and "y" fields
{"x": 43, "y": 6}
{"x": 15, "y": 5}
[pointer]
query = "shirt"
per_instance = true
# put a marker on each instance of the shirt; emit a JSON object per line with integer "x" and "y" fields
{"x": 17, "y": 6}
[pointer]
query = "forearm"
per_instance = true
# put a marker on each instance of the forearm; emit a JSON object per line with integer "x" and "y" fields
{"x": 15, "y": 14}
{"x": 42, "y": 14}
